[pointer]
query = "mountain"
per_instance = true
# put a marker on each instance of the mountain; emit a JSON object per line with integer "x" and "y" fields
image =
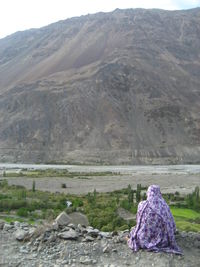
{"x": 112, "y": 88}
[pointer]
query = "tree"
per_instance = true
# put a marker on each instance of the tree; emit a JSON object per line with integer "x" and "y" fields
{"x": 138, "y": 193}
{"x": 196, "y": 198}
{"x": 130, "y": 194}
{"x": 33, "y": 186}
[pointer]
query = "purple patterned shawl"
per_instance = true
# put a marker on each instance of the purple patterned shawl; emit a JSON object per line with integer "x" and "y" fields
{"x": 155, "y": 226}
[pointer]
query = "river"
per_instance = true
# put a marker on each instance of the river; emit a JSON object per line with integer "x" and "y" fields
{"x": 123, "y": 169}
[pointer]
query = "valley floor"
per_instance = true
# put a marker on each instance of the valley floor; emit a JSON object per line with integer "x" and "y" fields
{"x": 169, "y": 183}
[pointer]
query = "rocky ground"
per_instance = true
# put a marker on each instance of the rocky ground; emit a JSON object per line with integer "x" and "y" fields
{"x": 62, "y": 244}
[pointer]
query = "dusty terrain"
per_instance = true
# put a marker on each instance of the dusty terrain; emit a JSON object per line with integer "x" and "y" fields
{"x": 184, "y": 183}
{"x": 76, "y": 246}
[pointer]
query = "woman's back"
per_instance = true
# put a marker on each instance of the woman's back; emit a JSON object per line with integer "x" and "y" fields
{"x": 155, "y": 226}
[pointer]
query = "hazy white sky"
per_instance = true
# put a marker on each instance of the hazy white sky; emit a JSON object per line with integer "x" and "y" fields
{"x": 17, "y": 15}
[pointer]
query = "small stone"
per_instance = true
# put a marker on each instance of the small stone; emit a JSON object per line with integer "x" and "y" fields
{"x": 82, "y": 229}
{"x": 86, "y": 260}
{"x": 92, "y": 232}
{"x": 31, "y": 231}
{"x": 52, "y": 239}
{"x": 106, "y": 249}
{"x": 88, "y": 239}
{"x": 105, "y": 235}
{"x": 24, "y": 225}
{"x": 17, "y": 224}
{"x": 23, "y": 250}
{"x": 54, "y": 226}
{"x": 71, "y": 234}
{"x": 71, "y": 225}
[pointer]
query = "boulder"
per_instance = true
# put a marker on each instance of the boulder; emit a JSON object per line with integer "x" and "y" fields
{"x": 63, "y": 219}
{"x": 79, "y": 218}
{"x": 20, "y": 234}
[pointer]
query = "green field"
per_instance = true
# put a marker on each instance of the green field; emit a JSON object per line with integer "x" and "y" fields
{"x": 185, "y": 213}
{"x": 186, "y": 219}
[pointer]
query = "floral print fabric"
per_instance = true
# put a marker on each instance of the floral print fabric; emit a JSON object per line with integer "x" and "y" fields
{"x": 155, "y": 226}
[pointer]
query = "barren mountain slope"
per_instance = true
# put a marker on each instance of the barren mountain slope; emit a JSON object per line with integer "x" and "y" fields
{"x": 119, "y": 87}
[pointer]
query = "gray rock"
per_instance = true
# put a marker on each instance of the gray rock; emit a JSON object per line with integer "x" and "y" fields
{"x": 55, "y": 226}
{"x": 17, "y": 224}
{"x": 71, "y": 234}
{"x": 105, "y": 235}
{"x": 24, "y": 225}
{"x": 7, "y": 227}
{"x": 20, "y": 234}
{"x": 31, "y": 231}
{"x": 82, "y": 229}
{"x": 106, "y": 249}
{"x": 92, "y": 232}
{"x": 63, "y": 219}
{"x": 86, "y": 260}
{"x": 79, "y": 218}
{"x": 24, "y": 250}
{"x": 71, "y": 225}
{"x": 88, "y": 239}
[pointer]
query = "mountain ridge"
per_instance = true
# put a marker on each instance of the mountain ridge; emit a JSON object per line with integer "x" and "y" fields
{"x": 119, "y": 87}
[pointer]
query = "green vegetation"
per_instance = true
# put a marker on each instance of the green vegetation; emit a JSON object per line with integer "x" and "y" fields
{"x": 185, "y": 213}
{"x": 186, "y": 219}
{"x": 100, "y": 208}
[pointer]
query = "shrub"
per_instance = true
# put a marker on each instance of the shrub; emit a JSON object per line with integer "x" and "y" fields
{"x": 107, "y": 228}
{"x": 22, "y": 194}
{"x": 77, "y": 203}
{"x": 124, "y": 227}
{"x": 23, "y": 212}
{"x": 63, "y": 185}
{"x": 125, "y": 204}
{"x": 4, "y": 183}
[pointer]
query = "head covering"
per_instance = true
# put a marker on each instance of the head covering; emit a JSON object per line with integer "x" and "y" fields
{"x": 155, "y": 226}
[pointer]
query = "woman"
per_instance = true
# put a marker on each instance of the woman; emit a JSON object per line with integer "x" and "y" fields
{"x": 155, "y": 226}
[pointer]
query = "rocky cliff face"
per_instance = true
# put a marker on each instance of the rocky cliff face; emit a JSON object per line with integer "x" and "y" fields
{"x": 120, "y": 87}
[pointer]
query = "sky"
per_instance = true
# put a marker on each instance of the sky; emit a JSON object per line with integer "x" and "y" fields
{"x": 18, "y": 15}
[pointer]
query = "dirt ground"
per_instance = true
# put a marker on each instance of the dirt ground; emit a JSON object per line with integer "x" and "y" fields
{"x": 184, "y": 183}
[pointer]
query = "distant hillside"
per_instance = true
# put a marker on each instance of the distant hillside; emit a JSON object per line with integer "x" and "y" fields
{"x": 119, "y": 87}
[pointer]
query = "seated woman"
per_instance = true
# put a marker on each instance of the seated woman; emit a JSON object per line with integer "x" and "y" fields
{"x": 155, "y": 226}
